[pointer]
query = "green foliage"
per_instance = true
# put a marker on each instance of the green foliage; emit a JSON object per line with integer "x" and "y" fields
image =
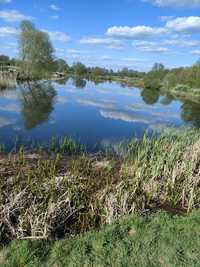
{"x": 36, "y": 51}
{"x": 153, "y": 79}
{"x": 79, "y": 68}
{"x": 61, "y": 65}
{"x": 157, "y": 241}
{"x": 170, "y": 80}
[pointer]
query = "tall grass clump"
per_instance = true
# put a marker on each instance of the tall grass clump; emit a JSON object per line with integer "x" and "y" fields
{"x": 159, "y": 172}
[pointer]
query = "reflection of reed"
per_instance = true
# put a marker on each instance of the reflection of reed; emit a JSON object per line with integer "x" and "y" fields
{"x": 4, "y": 84}
{"x": 7, "y": 79}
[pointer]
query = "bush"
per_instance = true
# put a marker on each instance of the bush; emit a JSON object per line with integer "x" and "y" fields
{"x": 182, "y": 88}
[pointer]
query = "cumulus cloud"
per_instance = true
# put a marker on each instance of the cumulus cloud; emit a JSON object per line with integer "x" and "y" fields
{"x": 108, "y": 42}
{"x": 123, "y": 116}
{"x": 8, "y": 31}
{"x": 58, "y": 36}
{"x": 176, "y": 3}
{"x": 13, "y": 15}
{"x": 137, "y": 32}
{"x": 182, "y": 43}
{"x": 180, "y": 26}
{"x": 54, "y": 7}
{"x": 186, "y": 25}
{"x": 97, "y": 104}
{"x": 151, "y": 47}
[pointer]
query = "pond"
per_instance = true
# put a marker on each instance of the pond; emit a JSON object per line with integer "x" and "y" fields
{"x": 97, "y": 115}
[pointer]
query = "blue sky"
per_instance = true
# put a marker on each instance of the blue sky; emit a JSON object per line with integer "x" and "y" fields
{"x": 110, "y": 33}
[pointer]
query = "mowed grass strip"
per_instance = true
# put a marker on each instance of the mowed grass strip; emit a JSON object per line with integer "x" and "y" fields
{"x": 158, "y": 240}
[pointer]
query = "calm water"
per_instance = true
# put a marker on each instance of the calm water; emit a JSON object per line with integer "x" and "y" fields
{"x": 95, "y": 115}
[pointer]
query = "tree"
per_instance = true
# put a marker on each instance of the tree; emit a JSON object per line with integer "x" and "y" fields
{"x": 4, "y": 59}
{"x": 158, "y": 67}
{"x": 198, "y": 62}
{"x": 79, "y": 68}
{"x": 61, "y": 65}
{"x": 170, "y": 80}
{"x": 36, "y": 50}
{"x": 154, "y": 78}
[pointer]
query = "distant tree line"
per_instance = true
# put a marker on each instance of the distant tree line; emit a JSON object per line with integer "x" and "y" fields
{"x": 177, "y": 78}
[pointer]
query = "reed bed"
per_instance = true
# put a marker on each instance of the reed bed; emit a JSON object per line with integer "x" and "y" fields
{"x": 63, "y": 191}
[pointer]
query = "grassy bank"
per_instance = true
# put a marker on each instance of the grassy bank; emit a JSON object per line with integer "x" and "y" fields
{"x": 183, "y": 92}
{"x": 64, "y": 191}
{"x": 158, "y": 240}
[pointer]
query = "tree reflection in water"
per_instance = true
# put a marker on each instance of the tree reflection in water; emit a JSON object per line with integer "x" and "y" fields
{"x": 166, "y": 100}
{"x": 78, "y": 82}
{"x": 62, "y": 81}
{"x": 37, "y": 100}
{"x": 190, "y": 113}
{"x": 150, "y": 97}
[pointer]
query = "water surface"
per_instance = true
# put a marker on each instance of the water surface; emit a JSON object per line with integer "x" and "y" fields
{"x": 94, "y": 114}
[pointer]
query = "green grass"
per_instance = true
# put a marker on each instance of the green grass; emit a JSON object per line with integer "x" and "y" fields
{"x": 183, "y": 92}
{"x": 159, "y": 240}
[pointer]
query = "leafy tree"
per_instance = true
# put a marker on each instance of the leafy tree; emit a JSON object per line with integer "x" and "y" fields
{"x": 79, "y": 68}
{"x": 158, "y": 67}
{"x": 170, "y": 80}
{"x": 61, "y": 65}
{"x": 36, "y": 50}
{"x": 198, "y": 62}
{"x": 4, "y": 59}
{"x": 154, "y": 78}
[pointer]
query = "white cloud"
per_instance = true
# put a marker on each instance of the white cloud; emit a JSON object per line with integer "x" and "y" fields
{"x": 182, "y": 43}
{"x": 54, "y": 7}
{"x": 5, "y": 1}
{"x": 58, "y": 36}
{"x": 150, "y": 47}
{"x": 123, "y": 116}
{"x": 96, "y": 41}
{"x": 176, "y": 3}
{"x": 13, "y": 15}
{"x": 108, "y": 42}
{"x": 137, "y": 32}
{"x": 187, "y": 25}
{"x": 195, "y": 52}
{"x": 97, "y": 104}
{"x": 8, "y": 31}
